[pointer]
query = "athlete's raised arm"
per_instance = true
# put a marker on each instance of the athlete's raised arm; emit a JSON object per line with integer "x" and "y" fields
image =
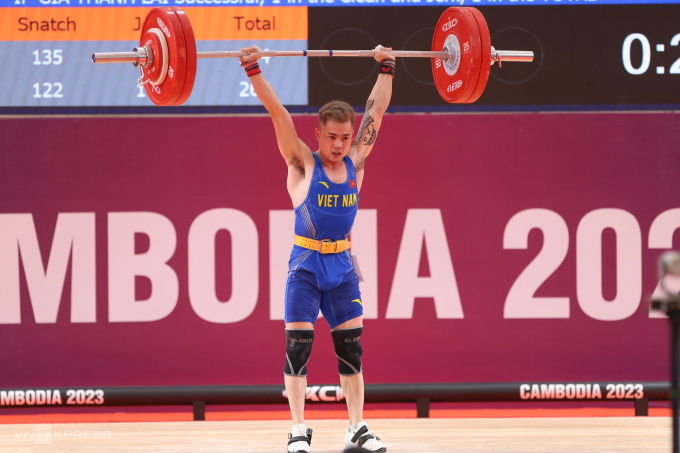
{"x": 376, "y": 106}
{"x": 293, "y": 150}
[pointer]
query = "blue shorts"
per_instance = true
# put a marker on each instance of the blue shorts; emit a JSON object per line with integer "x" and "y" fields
{"x": 304, "y": 299}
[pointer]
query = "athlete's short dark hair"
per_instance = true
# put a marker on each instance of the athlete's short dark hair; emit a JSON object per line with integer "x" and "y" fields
{"x": 338, "y": 111}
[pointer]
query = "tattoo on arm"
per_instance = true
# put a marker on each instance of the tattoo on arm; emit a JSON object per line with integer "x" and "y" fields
{"x": 367, "y": 132}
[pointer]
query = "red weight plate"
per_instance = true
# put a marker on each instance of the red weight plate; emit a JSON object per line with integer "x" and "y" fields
{"x": 191, "y": 57}
{"x": 456, "y": 77}
{"x": 154, "y": 72}
{"x": 485, "y": 55}
{"x": 475, "y": 50}
{"x": 168, "y": 91}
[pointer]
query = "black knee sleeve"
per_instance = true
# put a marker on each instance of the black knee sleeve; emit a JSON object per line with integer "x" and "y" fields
{"x": 348, "y": 350}
{"x": 298, "y": 351}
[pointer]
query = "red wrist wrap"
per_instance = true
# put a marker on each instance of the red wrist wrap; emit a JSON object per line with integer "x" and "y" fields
{"x": 387, "y": 67}
{"x": 251, "y": 68}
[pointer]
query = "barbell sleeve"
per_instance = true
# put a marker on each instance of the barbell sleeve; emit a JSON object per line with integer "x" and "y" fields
{"x": 512, "y": 55}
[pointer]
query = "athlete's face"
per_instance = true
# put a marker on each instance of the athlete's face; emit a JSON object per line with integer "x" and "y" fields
{"x": 335, "y": 140}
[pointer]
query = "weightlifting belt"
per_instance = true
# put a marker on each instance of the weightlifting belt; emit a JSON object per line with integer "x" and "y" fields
{"x": 324, "y": 246}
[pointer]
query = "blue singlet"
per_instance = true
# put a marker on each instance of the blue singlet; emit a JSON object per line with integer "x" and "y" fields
{"x": 324, "y": 282}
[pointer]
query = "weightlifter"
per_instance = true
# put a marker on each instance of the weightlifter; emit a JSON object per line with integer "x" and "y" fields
{"x": 324, "y": 187}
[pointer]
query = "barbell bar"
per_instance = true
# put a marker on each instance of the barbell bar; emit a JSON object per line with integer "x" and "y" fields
{"x": 461, "y": 55}
{"x": 138, "y": 56}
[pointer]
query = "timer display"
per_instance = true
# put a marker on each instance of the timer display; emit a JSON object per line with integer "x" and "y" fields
{"x": 587, "y": 57}
{"x": 646, "y": 59}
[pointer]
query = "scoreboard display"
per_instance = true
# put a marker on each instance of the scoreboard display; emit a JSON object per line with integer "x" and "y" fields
{"x": 589, "y": 54}
{"x": 49, "y": 50}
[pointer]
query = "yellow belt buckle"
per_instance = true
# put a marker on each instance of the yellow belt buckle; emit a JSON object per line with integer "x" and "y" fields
{"x": 327, "y": 242}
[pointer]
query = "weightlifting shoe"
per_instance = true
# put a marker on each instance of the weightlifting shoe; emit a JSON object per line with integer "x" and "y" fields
{"x": 362, "y": 437}
{"x": 299, "y": 439}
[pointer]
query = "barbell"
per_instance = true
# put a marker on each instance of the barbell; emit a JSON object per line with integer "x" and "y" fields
{"x": 461, "y": 55}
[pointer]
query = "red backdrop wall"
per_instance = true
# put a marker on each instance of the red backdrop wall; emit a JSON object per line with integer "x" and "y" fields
{"x": 595, "y": 197}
